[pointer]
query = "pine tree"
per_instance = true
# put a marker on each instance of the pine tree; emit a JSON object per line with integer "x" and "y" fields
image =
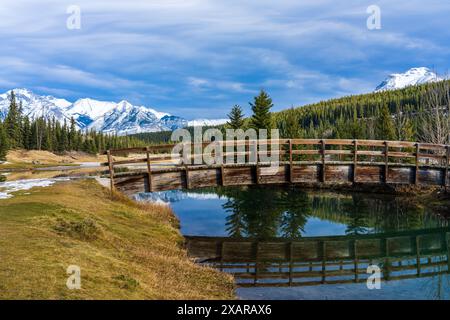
{"x": 72, "y": 135}
{"x": 292, "y": 129}
{"x": 261, "y": 118}
{"x": 236, "y": 117}
{"x": 4, "y": 143}
{"x": 26, "y": 133}
{"x": 13, "y": 122}
{"x": 385, "y": 125}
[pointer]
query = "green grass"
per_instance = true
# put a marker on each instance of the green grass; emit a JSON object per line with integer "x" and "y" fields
{"x": 125, "y": 250}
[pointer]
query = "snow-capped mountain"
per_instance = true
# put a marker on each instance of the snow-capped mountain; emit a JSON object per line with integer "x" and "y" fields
{"x": 35, "y": 106}
{"x": 105, "y": 116}
{"x": 414, "y": 76}
{"x": 126, "y": 118}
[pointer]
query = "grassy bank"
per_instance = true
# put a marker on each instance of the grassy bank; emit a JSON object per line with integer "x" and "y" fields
{"x": 125, "y": 250}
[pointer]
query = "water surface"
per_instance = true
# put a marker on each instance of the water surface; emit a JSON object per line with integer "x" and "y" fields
{"x": 268, "y": 212}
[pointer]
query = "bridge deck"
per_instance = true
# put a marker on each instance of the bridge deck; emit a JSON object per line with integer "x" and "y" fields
{"x": 302, "y": 161}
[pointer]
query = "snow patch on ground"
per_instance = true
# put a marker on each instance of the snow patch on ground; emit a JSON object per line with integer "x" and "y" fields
{"x": 6, "y": 188}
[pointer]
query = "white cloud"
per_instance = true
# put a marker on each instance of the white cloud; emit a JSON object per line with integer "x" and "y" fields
{"x": 202, "y": 52}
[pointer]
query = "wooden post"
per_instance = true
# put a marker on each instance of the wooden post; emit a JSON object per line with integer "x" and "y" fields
{"x": 291, "y": 261}
{"x": 291, "y": 168}
{"x": 447, "y": 236}
{"x": 355, "y": 257}
{"x": 222, "y": 175}
{"x": 323, "y": 160}
{"x": 257, "y": 163}
{"x": 387, "y": 260}
{"x": 256, "y": 249}
{"x": 324, "y": 260}
{"x": 186, "y": 170}
{"x": 447, "y": 158}
{"x": 416, "y": 172}
{"x": 417, "y": 240}
{"x": 355, "y": 159}
{"x": 149, "y": 170}
{"x": 111, "y": 170}
{"x": 386, "y": 161}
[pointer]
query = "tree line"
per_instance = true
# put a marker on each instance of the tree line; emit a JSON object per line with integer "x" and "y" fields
{"x": 19, "y": 131}
{"x": 416, "y": 113}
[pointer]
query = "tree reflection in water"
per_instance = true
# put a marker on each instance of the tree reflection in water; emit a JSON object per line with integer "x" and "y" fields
{"x": 265, "y": 212}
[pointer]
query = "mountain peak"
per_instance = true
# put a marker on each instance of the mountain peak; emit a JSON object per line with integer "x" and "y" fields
{"x": 105, "y": 116}
{"x": 412, "y": 77}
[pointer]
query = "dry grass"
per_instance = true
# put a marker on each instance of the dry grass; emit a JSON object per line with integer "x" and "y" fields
{"x": 46, "y": 157}
{"x": 125, "y": 250}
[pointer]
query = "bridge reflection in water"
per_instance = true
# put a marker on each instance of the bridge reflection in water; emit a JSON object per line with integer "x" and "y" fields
{"x": 311, "y": 261}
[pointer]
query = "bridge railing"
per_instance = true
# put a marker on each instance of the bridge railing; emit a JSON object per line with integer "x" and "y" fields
{"x": 291, "y": 151}
{"x": 325, "y": 260}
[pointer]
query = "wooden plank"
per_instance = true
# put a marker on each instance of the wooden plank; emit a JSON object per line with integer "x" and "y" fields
{"x": 398, "y": 154}
{"x": 339, "y": 142}
{"x": 307, "y": 152}
{"x": 371, "y": 143}
{"x": 306, "y": 141}
{"x": 432, "y": 156}
{"x": 339, "y": 152}
{"x": 127, "y": 150}
{"x": 402, "y": 144}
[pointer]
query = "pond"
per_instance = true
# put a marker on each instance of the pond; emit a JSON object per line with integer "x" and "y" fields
{"x": 277, "y": 218}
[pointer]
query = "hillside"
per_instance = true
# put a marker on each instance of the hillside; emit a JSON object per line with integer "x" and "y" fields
{"x": 359, "y": 116}
{"x": 125, "y": 250}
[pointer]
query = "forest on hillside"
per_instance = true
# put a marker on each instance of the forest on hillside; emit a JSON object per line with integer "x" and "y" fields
{"x": 416, "y": 113}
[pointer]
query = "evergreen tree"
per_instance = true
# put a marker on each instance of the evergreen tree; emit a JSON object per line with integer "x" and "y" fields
{"x": 385, "y": 125}
{"x": 261, "y": 118}
{"x": 26, "y": 133}
{"x": 13, "y": 122}
{"x": 236, "y": 117}
{"x": 72, "y": 135}
{"x": 4, "y": 143}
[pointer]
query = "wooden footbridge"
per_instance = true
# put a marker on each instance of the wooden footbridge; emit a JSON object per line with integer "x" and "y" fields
{"x": 326, "y": 260}
{"x": 301, "y": 162}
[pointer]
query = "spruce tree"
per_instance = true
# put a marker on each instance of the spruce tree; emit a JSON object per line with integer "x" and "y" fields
{"x": 236, "y": 117}
{"x": 26, "y": 133}
{"x": 385, "y": 125}
{"x": 261, "y": 118}
{"x": 72, "y": 135}
{"x": 13, "y": 122}
{"x": 4, "y": 143}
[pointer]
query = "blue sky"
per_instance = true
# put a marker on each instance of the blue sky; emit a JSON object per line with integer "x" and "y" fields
{"x": 196, "y": 58}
